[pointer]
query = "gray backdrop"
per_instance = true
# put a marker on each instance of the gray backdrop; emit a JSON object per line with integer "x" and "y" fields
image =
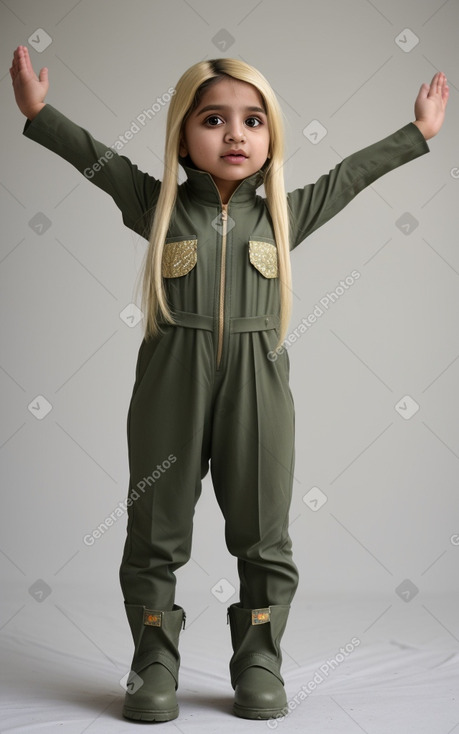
{"x": 374, "y": 378}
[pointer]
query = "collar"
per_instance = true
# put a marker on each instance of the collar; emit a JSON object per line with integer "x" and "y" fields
{"x": 202, "y": 187}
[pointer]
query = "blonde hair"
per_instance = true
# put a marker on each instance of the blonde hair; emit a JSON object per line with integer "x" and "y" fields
{"x": 188, "y": 92}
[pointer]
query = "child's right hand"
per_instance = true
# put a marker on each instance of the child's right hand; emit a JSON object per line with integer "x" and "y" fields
{"x": 29, "y": 90}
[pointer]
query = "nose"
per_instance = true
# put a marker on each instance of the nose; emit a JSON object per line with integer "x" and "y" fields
{"x": 235, "y": 131}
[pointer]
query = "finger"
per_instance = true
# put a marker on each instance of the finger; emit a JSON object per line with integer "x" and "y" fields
{"x": 18, "y": 54}
{"x": 15, "y": 65}
{"x": 15, "y": 61}
{"x": 440, "y": 80}
{"x": 21, "y": 59}
{"x": 423, "y": 91}
{"x": 445, "y": 94}
{"x": 43, "y": 77}
{"x": 433, "y": 84}
{"x": 28, "y": 63}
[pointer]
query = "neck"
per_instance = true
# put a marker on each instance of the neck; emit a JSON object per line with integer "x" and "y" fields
{"x": 226, "y": 188}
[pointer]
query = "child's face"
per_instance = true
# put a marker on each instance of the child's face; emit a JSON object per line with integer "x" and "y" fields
{"x": 223, "y": 121}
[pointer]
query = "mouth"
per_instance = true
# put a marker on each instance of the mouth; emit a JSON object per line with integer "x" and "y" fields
{"x": 234, "y": 157}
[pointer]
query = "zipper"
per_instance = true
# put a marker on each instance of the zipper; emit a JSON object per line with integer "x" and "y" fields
{"x": 221, "y": 308}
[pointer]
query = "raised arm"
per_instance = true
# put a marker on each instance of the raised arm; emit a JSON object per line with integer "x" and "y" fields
{"x": 30, "y": 90}
{"x": 430, "y": 105}
{"x": 315, "y": 204}
{"x": 134, "y": 192}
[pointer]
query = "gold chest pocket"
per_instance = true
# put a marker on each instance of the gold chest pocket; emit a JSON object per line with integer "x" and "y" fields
{"x": 263, "y": 257}
{"x": 179, "y": 257}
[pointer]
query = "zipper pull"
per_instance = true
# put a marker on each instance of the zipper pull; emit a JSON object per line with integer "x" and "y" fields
{"x": 224, "y": 212}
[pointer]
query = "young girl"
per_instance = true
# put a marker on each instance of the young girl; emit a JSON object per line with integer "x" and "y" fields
{"x": 216, "y": 303}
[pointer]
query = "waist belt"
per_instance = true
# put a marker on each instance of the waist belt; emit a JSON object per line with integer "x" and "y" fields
{"x": 237, "y": 324}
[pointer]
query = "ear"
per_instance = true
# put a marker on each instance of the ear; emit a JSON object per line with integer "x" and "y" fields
{"x": 183, "y": 150}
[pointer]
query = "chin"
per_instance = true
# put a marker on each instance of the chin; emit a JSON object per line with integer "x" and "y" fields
{"x": 241, "y": 170}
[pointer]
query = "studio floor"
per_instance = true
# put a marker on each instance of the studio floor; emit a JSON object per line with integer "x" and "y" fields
{"x": 351, "y": 664}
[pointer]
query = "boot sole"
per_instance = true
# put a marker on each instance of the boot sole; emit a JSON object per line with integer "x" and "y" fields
{"x": 247, "y": 713}
{"x": 141, "y": 715}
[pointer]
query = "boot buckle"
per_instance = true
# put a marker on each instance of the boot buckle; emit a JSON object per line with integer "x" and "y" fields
{"x": 261, "y": 616}
{"x": 152, "y": 618}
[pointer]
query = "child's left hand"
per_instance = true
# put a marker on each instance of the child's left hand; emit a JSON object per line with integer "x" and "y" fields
{"x": 430, "y": 105}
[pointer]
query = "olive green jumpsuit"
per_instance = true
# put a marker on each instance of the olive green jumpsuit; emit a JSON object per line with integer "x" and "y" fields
{"x": 206, "y": 391}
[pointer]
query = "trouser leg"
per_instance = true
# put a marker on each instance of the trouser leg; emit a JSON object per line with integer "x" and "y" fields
{"x": 252, "y": 462}
{"x": 167, "y": 442}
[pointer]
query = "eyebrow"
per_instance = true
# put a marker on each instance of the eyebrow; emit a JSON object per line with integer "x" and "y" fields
{"x": 225, "y": 107}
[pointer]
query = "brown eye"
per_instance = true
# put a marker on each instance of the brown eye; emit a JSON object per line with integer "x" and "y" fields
{"x": 212, "y": 118}
{"x": 254, "y": 119}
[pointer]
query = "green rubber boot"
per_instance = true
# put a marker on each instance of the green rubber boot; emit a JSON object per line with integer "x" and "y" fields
{"x": 153, "y": 679}
{"x": 255, "y": 664}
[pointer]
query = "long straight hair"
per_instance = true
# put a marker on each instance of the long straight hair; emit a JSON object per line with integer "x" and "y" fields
{"x": 188, "y": 92}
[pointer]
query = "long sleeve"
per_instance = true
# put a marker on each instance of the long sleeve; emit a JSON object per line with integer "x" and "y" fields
{"x": 134, "y": 192}
{"x": 314, "y": 204}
